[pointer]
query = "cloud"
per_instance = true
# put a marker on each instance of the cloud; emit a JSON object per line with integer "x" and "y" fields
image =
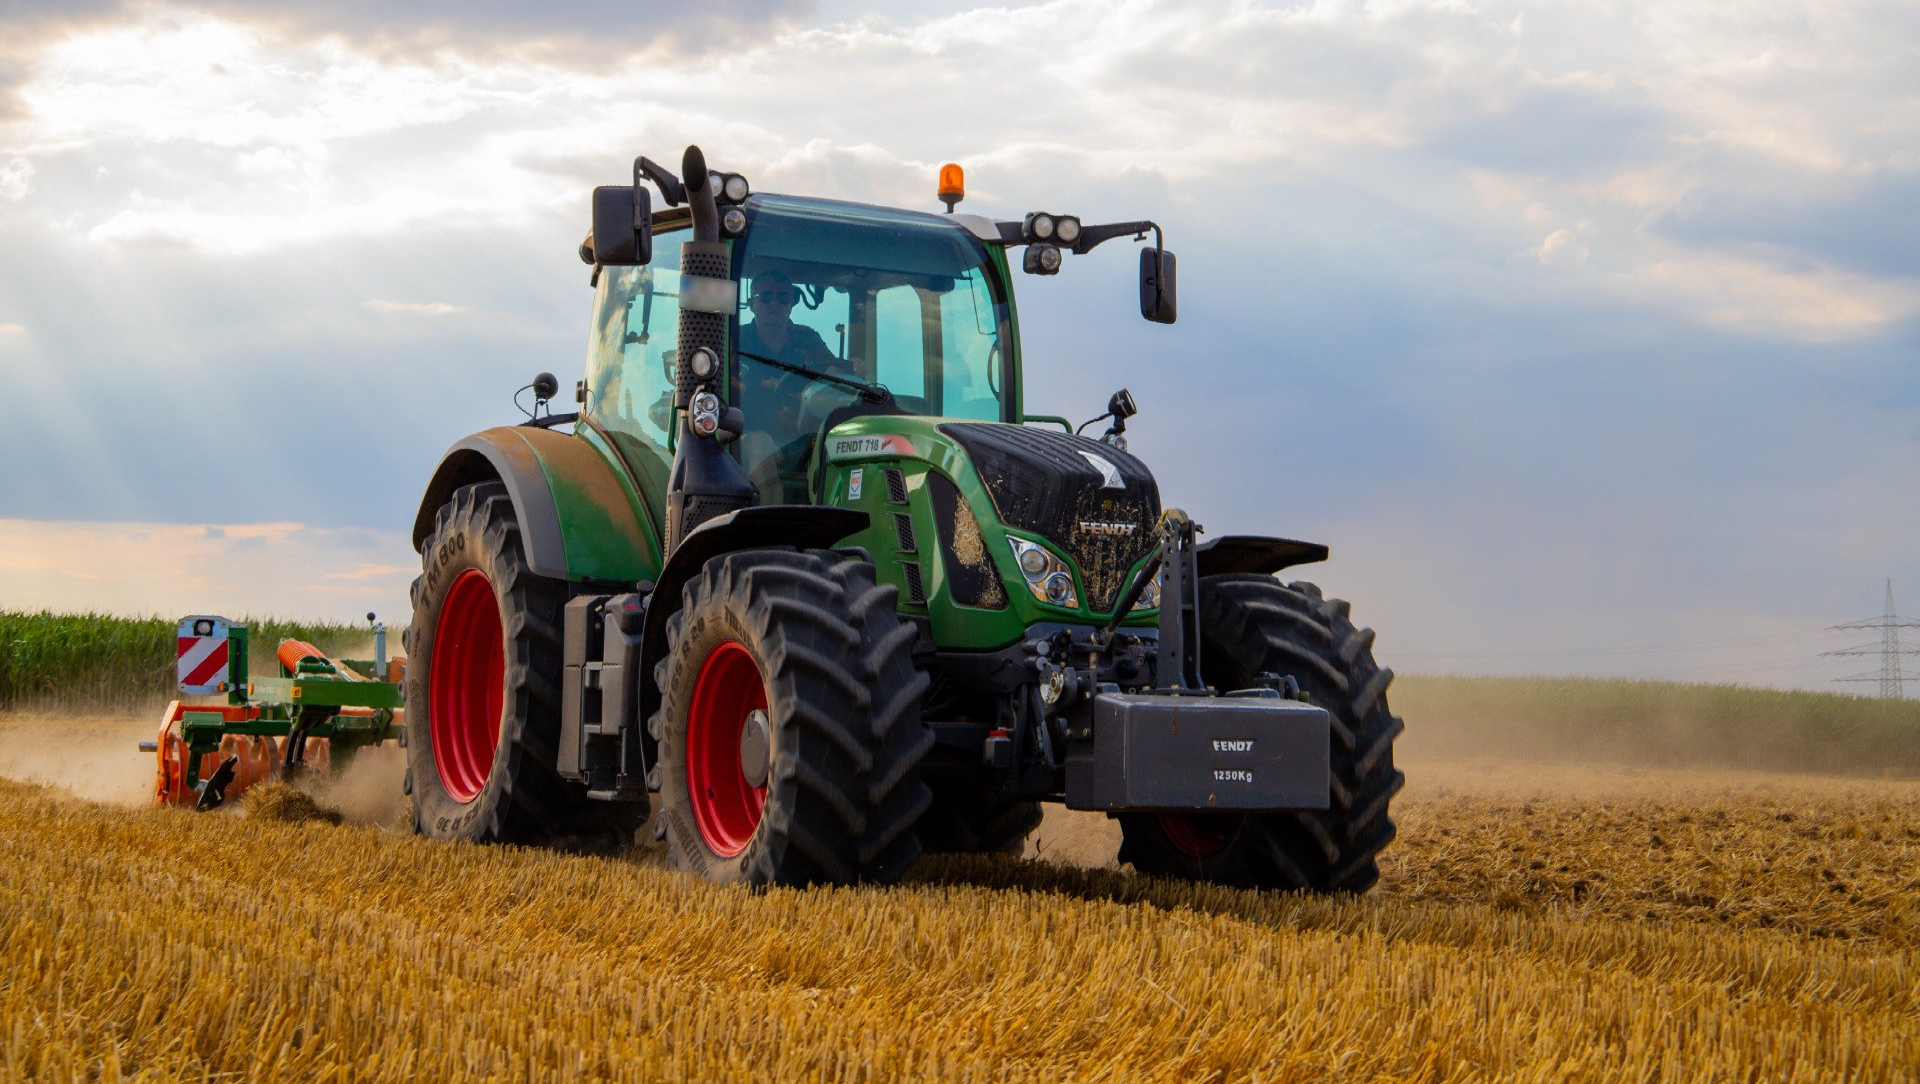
{"x": 373, "y": 572}
{"x": 486, "y": 28}
{"x": 1865, "y": 219}
{"x": 590, "y": 32}
{"x": 16, "y": 179}
{"x": 240, "y": 569}
{"x": 1814, "y": 303}
{"x": 416, "y": 308}
{"x": 1515, "y": 305}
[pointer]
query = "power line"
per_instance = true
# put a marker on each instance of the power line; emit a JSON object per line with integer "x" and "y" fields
{"x": 1889, "y": 648}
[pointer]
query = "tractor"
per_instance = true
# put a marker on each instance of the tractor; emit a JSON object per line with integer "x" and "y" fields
{"x": 803, "y": 585}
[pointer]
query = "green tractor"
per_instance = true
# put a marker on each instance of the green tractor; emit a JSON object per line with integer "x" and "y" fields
{"x": 803, "y": 580}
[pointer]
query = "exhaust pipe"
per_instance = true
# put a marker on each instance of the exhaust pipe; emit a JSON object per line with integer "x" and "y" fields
{"x": 705, "y": 481}
{"x": 706, "y": 215}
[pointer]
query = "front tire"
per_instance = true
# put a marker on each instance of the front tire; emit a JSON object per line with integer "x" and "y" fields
{"x": 968, "y": 820}
{"x": 789, "y": 724}
{"x": 1252, "y": 625}
{"x": 483, "y": 690}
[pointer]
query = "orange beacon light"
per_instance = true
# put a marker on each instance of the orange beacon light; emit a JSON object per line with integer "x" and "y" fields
{"x": 953, "y": 185}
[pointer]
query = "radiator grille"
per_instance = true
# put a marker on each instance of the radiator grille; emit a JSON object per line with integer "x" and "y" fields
{"x": 1049, "y": 484}
{"x": 916, "y": 588}
{"x": 896, "y": 486}
{"x": 903, "y": 532}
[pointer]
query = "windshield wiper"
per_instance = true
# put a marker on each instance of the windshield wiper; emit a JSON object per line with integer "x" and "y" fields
{"x": 872, "y": 393}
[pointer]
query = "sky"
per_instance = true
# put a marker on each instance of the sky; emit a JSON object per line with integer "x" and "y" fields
{"x": 1584, "y": 333}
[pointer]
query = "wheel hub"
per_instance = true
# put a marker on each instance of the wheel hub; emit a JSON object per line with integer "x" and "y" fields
{"x": 1201, "y": 835}
{"x": 756, "y": 743}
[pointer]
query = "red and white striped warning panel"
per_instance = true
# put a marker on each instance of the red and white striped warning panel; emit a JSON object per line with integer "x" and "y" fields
{"x": 202, "y": 668}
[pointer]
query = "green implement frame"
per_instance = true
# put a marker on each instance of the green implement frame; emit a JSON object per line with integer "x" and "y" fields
{"x": 208, "y": 751}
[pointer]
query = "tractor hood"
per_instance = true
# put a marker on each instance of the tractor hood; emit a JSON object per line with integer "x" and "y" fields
{"x": 955, "y": 506}
{"x": 1093, "y": 502}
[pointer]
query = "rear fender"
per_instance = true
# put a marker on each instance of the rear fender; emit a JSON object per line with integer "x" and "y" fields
{"x": 577, "y": 521}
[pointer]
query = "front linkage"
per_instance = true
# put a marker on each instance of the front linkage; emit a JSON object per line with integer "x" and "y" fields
{"x": 1267, "y": 762}
{"x": 1120, "y": 720}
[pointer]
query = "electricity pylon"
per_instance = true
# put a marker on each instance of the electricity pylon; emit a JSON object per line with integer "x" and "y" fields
{"x": 1889, "y": 648}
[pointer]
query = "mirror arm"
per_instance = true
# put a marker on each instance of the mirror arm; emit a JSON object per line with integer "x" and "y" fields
{"x": 670, "y": 187}
{"x": 1093, "y": 236}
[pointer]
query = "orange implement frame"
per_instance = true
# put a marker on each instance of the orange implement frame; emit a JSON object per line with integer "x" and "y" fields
{"x": 257, "y": 758}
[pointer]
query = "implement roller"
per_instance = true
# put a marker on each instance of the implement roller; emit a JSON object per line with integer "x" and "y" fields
{"x": 316, "y": 715}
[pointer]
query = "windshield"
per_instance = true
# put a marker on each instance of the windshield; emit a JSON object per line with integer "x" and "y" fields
{"x": 906, "y": 301}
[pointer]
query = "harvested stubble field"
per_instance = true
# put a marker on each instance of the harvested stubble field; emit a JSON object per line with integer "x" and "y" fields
{"x": 1533, "y": 923}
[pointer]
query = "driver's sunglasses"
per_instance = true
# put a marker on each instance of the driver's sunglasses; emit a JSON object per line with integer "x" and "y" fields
{"x": 777, "y": 297}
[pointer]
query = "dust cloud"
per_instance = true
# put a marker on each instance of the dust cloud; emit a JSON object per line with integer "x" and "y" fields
{"x": 369, "y": 791}
{"x": 1075, "y": 837}
{"x": 96, "y": 757}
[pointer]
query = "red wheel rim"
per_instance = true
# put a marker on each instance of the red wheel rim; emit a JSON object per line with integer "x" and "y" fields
{"x": 468, "y": 686}
{"x": 1200, "y": 835}
{"x": 725, "y": 806}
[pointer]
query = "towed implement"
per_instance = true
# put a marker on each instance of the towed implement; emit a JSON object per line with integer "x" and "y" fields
{"x": 316, "y": 714}
{"x": 804, "y": 577}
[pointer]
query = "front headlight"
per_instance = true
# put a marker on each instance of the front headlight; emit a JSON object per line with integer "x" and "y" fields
{"x": 1047, "y": 576}
{"x": 1149, "y": 596}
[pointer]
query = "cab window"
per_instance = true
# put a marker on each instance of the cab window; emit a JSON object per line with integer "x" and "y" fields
{"x": 630, "y": 363}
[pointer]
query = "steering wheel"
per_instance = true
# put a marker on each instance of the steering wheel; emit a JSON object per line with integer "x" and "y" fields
{"x": 821, "y": 399}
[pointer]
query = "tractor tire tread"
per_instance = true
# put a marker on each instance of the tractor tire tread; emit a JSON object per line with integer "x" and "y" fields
{"x": 524, "y": 800}
{"x": 844, "y": 789}
{"x": 1251, "y": 625}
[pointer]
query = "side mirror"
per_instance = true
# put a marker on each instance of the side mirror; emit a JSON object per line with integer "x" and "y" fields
{"x": 622, "y": 226}
{"x": 1157, "y": 296}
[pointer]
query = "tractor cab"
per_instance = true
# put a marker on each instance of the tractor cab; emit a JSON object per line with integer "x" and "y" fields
{"x": 841, "y": 310}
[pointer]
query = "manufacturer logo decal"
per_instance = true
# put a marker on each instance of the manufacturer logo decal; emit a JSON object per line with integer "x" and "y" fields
{"x": 1244, "y": 746}
{"x": 1109, "y": 474}
{"x": 865, "y": 447}
{"x": 1097, "y": 527}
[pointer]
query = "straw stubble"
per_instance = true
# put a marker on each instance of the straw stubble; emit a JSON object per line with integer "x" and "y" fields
{"x": 175, "y": 947}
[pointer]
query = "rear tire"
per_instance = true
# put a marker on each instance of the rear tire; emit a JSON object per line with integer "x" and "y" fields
{"x": 483, "y": 690}
{"x": 812, "y": 641}
{"x": 1251, "y": 624}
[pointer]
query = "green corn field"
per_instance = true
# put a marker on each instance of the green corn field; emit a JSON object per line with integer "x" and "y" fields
{"x": 104, "y": 663}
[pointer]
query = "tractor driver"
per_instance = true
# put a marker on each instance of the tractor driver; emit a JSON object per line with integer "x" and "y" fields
{"x": 773, "y": 332}
{"x": 782, "y": 408}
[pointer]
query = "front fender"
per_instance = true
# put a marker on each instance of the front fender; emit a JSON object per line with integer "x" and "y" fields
{"x": 796, "y": 525}
{"x": 785, "y": 525}
{"x": 1254, "y": 553}
{"x": 577, "y": 521}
